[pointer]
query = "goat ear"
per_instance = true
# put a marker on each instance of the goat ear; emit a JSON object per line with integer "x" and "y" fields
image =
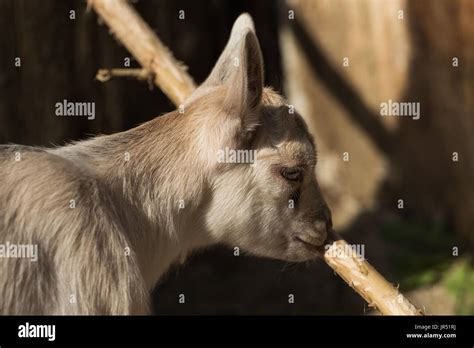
{"x": 221, "y": 73}
{"x": 240, "y": 70}
{"x": 245, "y": 82}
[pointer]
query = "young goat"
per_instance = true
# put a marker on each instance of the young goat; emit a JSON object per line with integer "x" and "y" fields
{"x": 109, "y": 215}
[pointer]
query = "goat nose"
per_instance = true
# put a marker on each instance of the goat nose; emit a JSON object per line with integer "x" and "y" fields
{"x": 320, "y": 231}
{"x": 320, "y": 225}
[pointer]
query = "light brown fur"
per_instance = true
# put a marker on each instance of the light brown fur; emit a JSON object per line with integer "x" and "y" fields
{"x": 129, "y": 224}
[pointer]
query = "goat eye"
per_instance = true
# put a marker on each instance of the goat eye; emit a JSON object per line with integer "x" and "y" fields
{"x": 291, "y": 174}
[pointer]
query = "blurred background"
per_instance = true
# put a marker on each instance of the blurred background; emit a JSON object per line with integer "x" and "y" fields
{"x": 336, "y": 61}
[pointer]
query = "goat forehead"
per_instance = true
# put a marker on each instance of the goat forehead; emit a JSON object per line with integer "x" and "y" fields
{"x": 283, "y": 125}
{"x": 280, "y": 115}
{"x": 289, "y": 153}
{"x": 297, "y": 152}
{"x": 288, "y": 139}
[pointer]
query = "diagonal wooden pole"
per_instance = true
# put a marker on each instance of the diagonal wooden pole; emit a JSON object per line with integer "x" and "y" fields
{"x": 174, "y": 81}
{"x": 365, "y": 279}
{"x": 132, "y": 31}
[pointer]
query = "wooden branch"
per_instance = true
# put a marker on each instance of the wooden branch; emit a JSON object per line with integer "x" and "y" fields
{"x": 104, "y": 75}
{"x": 172, "y": 78}
{"x": 364, "y": 279}
{"x": 148, "y": 50}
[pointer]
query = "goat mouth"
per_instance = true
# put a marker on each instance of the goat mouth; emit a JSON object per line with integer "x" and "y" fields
{"x": 309, "y": 243}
